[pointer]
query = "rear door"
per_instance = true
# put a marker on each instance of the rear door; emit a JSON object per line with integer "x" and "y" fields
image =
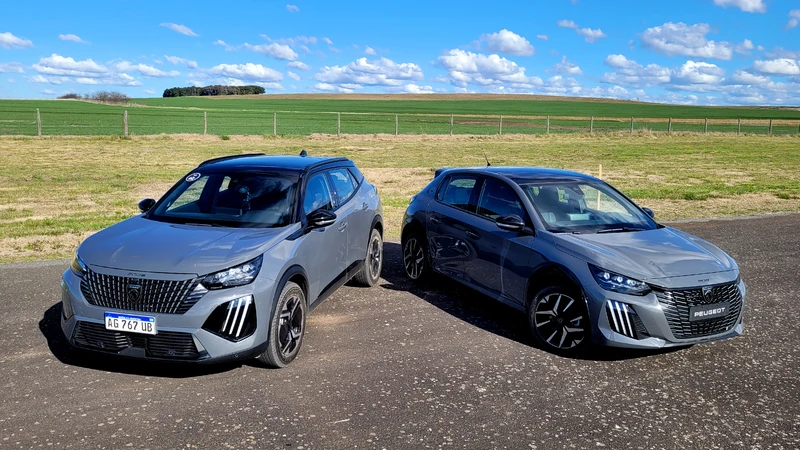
{"x": 501, "y": 261}
{"x": 448, "y": 216}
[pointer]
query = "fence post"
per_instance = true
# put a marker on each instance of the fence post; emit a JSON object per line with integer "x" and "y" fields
{"x": 38, "y": 122}
{"x": 770, "y": 127}
{"x": 205, "y": 122}
{"x": 631, "y": 126}
{"x": 548, "y": 124}
{"x": 395, "y": 124}
{"x": 338, "y": 124}
{"x": 591, "y": 125}
{"x": 451, "y": 124}
{"x": 501, "y": 125}
{"x": 669, "y": 126}
{"x": 705, "y": 127}
{"x": 274, "y": 124}
{"x": 125, "y": 123}
{"x": 738, "y": 127}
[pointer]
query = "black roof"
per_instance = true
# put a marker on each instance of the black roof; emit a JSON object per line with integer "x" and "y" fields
{"x": 259, "y": 161}
{"x": 523, "y": 174}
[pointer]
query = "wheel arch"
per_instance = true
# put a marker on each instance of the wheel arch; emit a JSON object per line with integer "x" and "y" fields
{"x": 294, "y": 274}
{"x": 551, "y": 274}
{"x": 377, "y": 223}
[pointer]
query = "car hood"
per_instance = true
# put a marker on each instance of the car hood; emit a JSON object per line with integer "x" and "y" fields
{"x": 647, "y": 255}
{"x": 149, "y": 246}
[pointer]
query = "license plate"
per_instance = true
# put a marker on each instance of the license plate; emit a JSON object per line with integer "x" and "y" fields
{"x": 130, "y": 323}
{"x": 705, "y": 312}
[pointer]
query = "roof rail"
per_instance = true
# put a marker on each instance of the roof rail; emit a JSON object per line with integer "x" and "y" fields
{"x": 327, "y": 161}
{"x": 225, "y": 158}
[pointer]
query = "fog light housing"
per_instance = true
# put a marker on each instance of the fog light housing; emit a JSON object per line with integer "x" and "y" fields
{"x": 234, "y": 320}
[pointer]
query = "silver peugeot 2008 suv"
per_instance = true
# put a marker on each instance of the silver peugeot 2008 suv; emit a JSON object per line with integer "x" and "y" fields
{"x": 227, "y": 264}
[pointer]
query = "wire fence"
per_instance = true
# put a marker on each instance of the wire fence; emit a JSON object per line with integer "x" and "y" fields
{"x": 150, "y": 121}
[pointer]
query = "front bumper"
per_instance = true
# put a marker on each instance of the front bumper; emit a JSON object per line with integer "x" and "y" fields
{"x": 180, "y": 337}
{"x": 648, "y": 317}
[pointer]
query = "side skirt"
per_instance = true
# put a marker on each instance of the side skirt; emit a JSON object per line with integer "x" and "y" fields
{"x": 338, "y": 282}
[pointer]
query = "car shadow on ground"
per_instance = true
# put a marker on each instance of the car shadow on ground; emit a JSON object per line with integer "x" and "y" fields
{"x": 484, "y": 312}
{"x": 50, "y": 327}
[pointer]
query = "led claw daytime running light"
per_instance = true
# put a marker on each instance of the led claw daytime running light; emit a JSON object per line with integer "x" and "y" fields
{"x": 235, "y": 276}
{"x": 615, "y": 282}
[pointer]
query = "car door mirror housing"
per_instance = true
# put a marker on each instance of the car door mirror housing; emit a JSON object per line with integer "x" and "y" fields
{"x": 511, "y": 222}
{"x": 321, "y": 218}
{"x": 649, "y": 212}
{"x": 146, "y": 204}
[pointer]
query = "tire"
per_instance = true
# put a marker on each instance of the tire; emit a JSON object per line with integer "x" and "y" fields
{"x": 559, "y": 320}
{"x": 370, "y": 274}
{"x": 287, "y": 327}
{"x": 415, "y": 257}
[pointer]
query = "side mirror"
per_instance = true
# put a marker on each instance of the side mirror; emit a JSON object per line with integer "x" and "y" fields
{"x": 649, "y": 212}
{"x": 511, "y": 222}
{"x": 146, "y": 204}
{"x": 321, "y": 218}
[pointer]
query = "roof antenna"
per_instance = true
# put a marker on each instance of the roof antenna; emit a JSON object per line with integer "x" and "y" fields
{"x": 487, "y": 159}
{"x": 303, "y": 153}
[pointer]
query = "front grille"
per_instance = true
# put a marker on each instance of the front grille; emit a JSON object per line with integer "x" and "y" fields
{"x": 153, "y": 296}
{"x": 676, "y": 305}
{"x": 165, "y": 344}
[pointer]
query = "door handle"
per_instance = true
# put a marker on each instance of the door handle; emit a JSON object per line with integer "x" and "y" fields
{"x": 342, "y": 226}
{"x": 473, "y": 235}
{"x": 435, "y": 220}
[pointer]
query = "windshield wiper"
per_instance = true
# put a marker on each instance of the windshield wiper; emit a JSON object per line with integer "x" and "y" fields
{"x": 202, "y": 224}
{"x": 619, "y": 230}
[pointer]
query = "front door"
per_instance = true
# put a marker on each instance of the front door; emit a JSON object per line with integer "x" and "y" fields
{"x": 501, "y": 262}
{"x": 324, "y": 248}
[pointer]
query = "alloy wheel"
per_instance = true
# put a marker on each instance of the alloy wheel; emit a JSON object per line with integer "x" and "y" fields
{"x": 413, "y": 258}
{"x": 559, "y": 320}
{"x": 290, "y": 326}
{"x": 375, "y": 256}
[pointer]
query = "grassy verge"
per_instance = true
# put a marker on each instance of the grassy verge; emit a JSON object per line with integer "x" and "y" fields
{"x": 56, "y": 191}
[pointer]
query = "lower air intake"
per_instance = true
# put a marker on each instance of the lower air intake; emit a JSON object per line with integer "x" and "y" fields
{"x": 624, "y": 320}
{"x": 234, "y": 320}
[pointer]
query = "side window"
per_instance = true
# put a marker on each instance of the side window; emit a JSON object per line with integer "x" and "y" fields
{"x": 342, "y": 182}
{"x": 357, "y": 175}
{"x": 458, "y": 190}
{"x": 499, "y": 199}
{"x": 318, "y": 194}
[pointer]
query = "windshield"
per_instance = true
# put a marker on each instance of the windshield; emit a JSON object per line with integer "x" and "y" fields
{"x": 585, "y": 207}
{"x": 230, "y": 199}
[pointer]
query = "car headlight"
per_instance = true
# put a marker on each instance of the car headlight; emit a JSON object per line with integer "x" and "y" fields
{"x": 235, "y": 276}
{"x": 78, "y": 266}
{"x": 611, "y": 281}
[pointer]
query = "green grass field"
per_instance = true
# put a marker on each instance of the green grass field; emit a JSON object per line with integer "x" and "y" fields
{"x": 304, "y": 115}
{"x": 55, "y": 191}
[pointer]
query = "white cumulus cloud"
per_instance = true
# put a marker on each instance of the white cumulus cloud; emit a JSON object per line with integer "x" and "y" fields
{"x": 565, "y": 67}
{"x": 11, "y": 67}
{"x": 369, "y": 50}
{"x": 745, "y": 77}
{"x": 72, "y": 38}
{"x": 8, "y": 41}
{"x": 590, "y": 35}
{"x": 412, "y": 88}
{"x": 292, "y": 8}
{"x": 176, "y": 60}
{"x": 692, "y": 72}
{"x": 56, "y": 64}
{"x": 465, "y": 67}
{"x": 687, "y": 40}
{"x": 753, "y": 6}
{"x": 564, "y": 23}
{"x": 276, "y": 50}
{"x": 248, "y": 71}
{"x": 542, "y": 37}
{"x": 144, "y": 69}
{"x": 298, "y": 65}
{"x": 630, "y": 73}
{"x": 794, "y": 19}
{"x": 182, "y": 29}
{"x": 364, "y": 72}
{"x": 327, "y": 41}
{"x": 508, "y": 42}
{"x": 293, "y": 75}
{"x": 780, "y": 66}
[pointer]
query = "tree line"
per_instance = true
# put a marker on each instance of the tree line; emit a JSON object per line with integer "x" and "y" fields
{"x": 191, "y": 91}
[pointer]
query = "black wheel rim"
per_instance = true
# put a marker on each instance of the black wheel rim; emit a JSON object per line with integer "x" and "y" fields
{"x": 413, "y": 258}
{"x": 375, "y": 257}
{"x": 290, "y": 328}
{"x": 559, "y": 320}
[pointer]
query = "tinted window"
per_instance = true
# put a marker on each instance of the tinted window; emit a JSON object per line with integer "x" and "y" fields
{"x": 343, "y": 183}
{"x": 230, "y": 199}
{"x": 357, "y": 175}
{"x": 457, "y": 191}
{"x": 318, "y": 194}
{"x": 499, "y": 199}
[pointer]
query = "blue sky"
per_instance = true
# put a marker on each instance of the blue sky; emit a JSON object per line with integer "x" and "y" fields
{"x": 726, "y": 52}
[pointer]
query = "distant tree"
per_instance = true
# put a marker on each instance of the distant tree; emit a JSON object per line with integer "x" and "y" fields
{"x": 70, "y": 96}
{"x": 107, "y": 97}
{"x": 193, "y": 91}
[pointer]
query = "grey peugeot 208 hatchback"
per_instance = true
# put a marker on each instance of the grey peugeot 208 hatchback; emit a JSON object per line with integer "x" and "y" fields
{"x": 577, "y": 256}
{"x": 227, "y": 264}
